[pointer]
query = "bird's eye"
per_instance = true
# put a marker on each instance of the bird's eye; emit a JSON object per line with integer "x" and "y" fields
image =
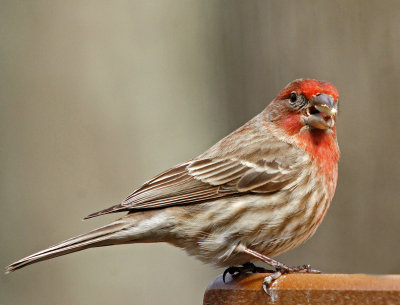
{"x": 293, "y": 97}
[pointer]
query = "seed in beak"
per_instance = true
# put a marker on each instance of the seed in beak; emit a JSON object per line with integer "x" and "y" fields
{"x": 325, "y": 109}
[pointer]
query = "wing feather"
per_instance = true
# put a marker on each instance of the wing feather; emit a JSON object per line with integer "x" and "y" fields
{"x": 201, "y": 180}
{"x": 212, "y": 175}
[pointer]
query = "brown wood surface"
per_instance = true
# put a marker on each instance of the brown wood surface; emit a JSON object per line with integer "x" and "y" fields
{"x": 302, "y": 289}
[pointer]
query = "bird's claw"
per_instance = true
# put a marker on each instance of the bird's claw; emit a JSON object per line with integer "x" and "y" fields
{"x": 247, "y": 267}
{"x": 231, "y": 270}
{"x": 268, "y": 280}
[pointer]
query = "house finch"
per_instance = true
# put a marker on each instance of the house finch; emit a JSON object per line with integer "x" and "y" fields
{"x": 258, "y": 192}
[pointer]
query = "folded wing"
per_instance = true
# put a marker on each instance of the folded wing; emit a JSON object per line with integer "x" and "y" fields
{"x": 204, "y": 179}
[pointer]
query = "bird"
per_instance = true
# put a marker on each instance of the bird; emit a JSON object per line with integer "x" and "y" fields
{"x": 258, "y": 192}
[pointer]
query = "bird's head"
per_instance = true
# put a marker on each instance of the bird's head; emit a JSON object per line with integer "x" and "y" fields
{"x": 304, "y": 113}
{"x": 305, "y": 105}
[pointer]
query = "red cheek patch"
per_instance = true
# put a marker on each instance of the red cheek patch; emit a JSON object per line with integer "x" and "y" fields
{"x": 291, "y": 123}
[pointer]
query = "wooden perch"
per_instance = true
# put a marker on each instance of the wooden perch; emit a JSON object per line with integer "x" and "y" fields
{"x": 299, "y": 289}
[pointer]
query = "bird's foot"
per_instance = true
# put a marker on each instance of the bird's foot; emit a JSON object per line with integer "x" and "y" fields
{"x": 300, "y": 269}
{"x": 279, "y": 267}
{"x": 245, "y": 268}
{"x": 268, "y": 280}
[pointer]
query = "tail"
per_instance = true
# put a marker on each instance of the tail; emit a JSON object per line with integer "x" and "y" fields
{"x": 114, "y": 209}
{"x": 103, "y": 236}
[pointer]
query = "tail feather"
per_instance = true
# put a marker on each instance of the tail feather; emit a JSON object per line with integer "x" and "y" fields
{"x": 114, "y": 209}
{"x": 103, "y": 236}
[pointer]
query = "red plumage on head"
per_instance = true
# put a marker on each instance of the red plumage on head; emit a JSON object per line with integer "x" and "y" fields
{"x": 308, "y": 87}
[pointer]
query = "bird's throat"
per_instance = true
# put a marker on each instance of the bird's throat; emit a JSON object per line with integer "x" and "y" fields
{"x": 324, "y": 150}
{"x": 320, "y": 144}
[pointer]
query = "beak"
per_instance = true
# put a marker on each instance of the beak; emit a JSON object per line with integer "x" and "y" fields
{"x": 324, "y": 103}
{"x": 321, "y": 112}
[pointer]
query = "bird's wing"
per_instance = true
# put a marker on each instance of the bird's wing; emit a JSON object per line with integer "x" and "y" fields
{"x": 249, "y": 160}
{"x": 206, "y": 179}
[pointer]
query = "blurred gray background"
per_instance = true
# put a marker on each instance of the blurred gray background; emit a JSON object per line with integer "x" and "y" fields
{"x": 99, "y": 96}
